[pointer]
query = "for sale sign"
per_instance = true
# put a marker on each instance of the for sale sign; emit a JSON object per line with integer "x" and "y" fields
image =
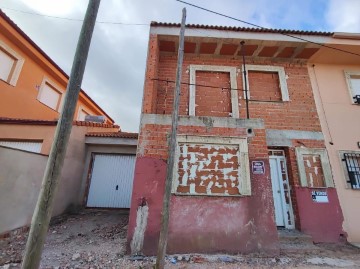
{"x": 319, "y": 196}
{"x": 258, "y": 167}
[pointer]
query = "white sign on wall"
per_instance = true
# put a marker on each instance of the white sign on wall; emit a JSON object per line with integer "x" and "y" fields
{"x": 320, "y": 196}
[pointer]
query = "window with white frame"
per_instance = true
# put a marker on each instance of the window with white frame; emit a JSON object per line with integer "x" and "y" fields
{"x": 50, "y": 95}
{"x": 213, "y": 68}
{"x": 211, "y": 166}
{"x": 353, "y": 82}
{"x": 10, "y": 64}
{"x": 279, "y": 71}
{"x": 351, "y": 166}
{"x": 314, "y": 168}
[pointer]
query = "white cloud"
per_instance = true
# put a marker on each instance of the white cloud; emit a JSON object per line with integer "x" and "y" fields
{"x": 53, "y": 7}
{"x": 343, "y": 15}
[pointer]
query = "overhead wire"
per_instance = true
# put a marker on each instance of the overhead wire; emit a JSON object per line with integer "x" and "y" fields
{"x": 200, "y": 85}
{"x": 265, "y": 28}
{"x": 213, "y": 87}
{"x": 73, "y": 19}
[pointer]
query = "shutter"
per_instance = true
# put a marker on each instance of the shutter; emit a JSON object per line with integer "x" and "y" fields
{"x": 6, "y": 65}
{"x": 28, "y": 146}
{"x": 49, "y": 96}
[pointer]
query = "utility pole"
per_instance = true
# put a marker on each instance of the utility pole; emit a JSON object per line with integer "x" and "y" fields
{"x": 42, "y": 214}
{"x": 160, "y": 260}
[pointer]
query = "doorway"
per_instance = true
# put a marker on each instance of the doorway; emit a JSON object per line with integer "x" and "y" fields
{"x": 284, "y": 216}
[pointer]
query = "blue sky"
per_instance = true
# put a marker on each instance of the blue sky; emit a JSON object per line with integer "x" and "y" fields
{"x": 115, "y": 70}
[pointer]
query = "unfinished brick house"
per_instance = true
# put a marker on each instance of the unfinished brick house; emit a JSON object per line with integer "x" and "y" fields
{"x": 237, "y": 177}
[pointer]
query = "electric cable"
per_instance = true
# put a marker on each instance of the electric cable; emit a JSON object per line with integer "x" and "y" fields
{"x": 71, "y": 19}
{"x": 261, "y": 27}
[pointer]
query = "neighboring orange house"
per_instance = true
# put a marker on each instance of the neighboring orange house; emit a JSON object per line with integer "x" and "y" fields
{"x": 32, "y": 88}
{"x": 32, "y": 85}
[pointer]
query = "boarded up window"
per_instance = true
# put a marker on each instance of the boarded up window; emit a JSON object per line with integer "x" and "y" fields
{"x": 313, "y": 170}
{"x": 214, "y": 101}
{"x": 6, "y": 65}
{"x": 212, "y": 169}
{"x": 264, "y": 86}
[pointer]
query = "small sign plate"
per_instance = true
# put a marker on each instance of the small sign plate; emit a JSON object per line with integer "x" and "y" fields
{"x": 258, "y": 167}
{"x": 319, "y": 196}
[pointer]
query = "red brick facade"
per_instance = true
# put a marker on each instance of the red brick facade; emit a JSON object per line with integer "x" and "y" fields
{"x": 251, "y": 225}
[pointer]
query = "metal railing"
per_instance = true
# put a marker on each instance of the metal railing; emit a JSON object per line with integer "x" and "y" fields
{"x": 352, "y": 161}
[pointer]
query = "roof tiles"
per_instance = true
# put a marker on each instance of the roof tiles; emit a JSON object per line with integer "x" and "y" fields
{"x": 243, "y": 29}
{"x": 115, "y": 135}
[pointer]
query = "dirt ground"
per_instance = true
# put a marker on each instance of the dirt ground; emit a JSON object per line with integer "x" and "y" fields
{"x": 96, "y": 239}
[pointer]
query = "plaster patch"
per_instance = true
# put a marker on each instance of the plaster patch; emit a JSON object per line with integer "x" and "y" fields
{"x": 141, "y": 223}
{"x": 192, "y": 188}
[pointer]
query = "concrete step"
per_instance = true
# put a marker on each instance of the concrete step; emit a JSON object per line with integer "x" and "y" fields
{"x": 294, "y": 241}
{"x": 294, "y": 236}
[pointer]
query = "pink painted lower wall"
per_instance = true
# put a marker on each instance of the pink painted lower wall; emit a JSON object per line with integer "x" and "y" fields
{"x": 203, "y": 223}
{"x": 323, "y": 221}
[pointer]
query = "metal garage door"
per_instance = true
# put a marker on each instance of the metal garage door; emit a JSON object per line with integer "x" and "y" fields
{"x": 111, "y": 181}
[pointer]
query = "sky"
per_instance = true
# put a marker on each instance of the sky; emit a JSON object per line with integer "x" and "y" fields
{"x": 115, "y": 71}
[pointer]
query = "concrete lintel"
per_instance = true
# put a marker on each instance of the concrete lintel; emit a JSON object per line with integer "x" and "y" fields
{"x": 203, "y": 121}
{"x": 284, "y": 138}
{"x": 110, "y": 141}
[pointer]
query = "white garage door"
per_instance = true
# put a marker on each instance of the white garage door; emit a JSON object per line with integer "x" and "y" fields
{"x": 111, "y": 181}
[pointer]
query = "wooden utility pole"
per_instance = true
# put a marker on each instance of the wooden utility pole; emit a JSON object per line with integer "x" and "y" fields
{"x": 160, "y": 260}
{"x": 42, "y": 214}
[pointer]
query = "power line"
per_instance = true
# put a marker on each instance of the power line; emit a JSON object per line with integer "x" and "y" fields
{"x": 214, "y": 87}
{"x": 261, "y": 27}
{"x": 72, "y": 19}
{"x": 200, "y": 85}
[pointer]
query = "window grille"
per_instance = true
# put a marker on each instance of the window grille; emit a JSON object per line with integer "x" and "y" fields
{"x": 352, "y": 161}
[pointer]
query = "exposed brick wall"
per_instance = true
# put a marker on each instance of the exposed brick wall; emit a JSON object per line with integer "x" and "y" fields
{"x": 297, "y": 114}
{"x": 150, "y": 86}
{"x": 208, "y": 169}
{"x": 264, "y": 86}
{"x": 214, "y": 102}
{"x": 153, "y": 138}
{"x": 313, "y": 170}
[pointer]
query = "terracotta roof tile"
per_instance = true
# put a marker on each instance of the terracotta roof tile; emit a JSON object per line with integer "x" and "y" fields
{"x": 243, "y": 29}
{"x": 4, "y": 120}
{"x": 95, "y": 124}
{"x": 116, "y": 135}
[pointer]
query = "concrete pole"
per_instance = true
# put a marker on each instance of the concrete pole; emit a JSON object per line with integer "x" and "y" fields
{"x": 160, "y": 260}
{"x": 43, "y": 210}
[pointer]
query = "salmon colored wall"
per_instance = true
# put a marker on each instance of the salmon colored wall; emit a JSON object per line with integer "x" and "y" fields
{"x": 21, "y": 101}
{"x": 26, "y": 132}
{"x": 342, "y": 128}
{"x": 44, "y": 133}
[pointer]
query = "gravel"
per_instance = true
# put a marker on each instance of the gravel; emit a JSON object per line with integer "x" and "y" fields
{"x": 97, "y": 239}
